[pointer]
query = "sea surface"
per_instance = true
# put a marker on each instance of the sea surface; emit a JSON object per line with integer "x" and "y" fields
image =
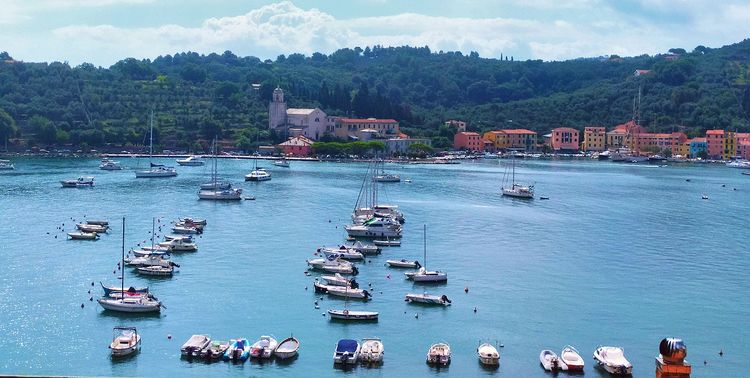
{"x": 620, "y": 254}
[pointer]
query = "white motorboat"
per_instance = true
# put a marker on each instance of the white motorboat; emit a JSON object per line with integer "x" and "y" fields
{"x": 179, "y": 245}
{"x": 83, "y": 235}
{"x": 155, "y": 170}
{"x": 347, "y": 352}
{"x": 549, "y": 360}
{"x": 514, "y": 189}
{"x": 339, "y": 280}
{"x": 387, "y": 243}
{"x": 571, "y": 359}
{"x": 287, "y": 348}
{"x": 488, "y": 355}
{"x": 365, "y": 249}
{"x": 333, "y": 266}
{"x": 612, "y": 359}
{"x": 352, "y": 315}
{"x": 110, "y": 165}
{"x": 264, "y": 347}
{"x": 125, "y": 341}
{"x": 81, "y": 182}
{"x": 741, "y": 164}
{"x": 403, "y": 263}
{"x": 424, "y": 275}
{"x": 218, "y": 185}
{"x": 387, "y": 177}
{"x": 190, "y": 220}
{"x": 375, "y": 228}
{"x": 149, "y": 252}
{"x": 195, "y": 345}
{"x": 151, "y": 260}
{"x": 6, "y": 165}
{"x": 215, "y": 350}
{"x": 155, "y": 270}
{"x": 170, "y": 237}
{"x": 191, "y": 161}
{"x": 425, "y": 298}
{"x": 343, "y": 253}
{"x": 220, "y": 194}
{"x": 98, "y": 222}
{"x": 186, "y": 230}
{"x": 342, "y": 291}
{"x": 86, "y": 227}
{"x": 371, "y": 351}
{"x": 259, "y": 174}
{"x": 439, "y": 354}
{"x": 283, "y": 163}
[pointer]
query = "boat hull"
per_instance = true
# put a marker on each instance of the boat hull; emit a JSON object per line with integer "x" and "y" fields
{"x": 119, "y": 306}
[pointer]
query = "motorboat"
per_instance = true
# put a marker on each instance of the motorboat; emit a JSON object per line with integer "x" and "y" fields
{"x": 365, "y": 249}
{"x": 334, "y": 265}
{"x": 488, "y": 355}
{"x": 287, "y": 348}
{"x": 387, "y": 243}
{"x": 612, "y": 359}
{"x": 155, "y": 170}
{"x": 238, "y": 351}
{"x": 362, "y": 214}
{"x": 375, "y": 228}
{"x": 264, "y": 347}
{"x": 371, "y": 351}
{"x": 196, "y": 221}
{"x": 110, "y": 165}
{"x": 346, "y": 254}
{"x": 604, "y": 155}
{"x": 353, "y": 315}
{"x": 425, "y": 298}
{"x": 283, "y": 163}
{"x": 98, "y": 222}
{"x": 116, "y": 290}
{"x": 347, "y": 352}
{"x": 179, "y": 245}
{"x": 342, "y": 291}
{"x": 387, "y": 177}
{"x": 86, "y": 227}
{"x": 183, "y": 229}
{"x": 83, "y": 235}
{"x": 195, "y": 345}
{"x": 656, "y": 159}
{"x": 741, "y": 164}
{"x": 125, "y": 341}
{"x": 6, "y": 165}
{"x": 439, "y": 354}
{"x": 191, "y": 161}
{"x": 258, "y": 174}
{"x": 150, "y": 252}
{"x": 215, "y": 350}
{"x": 516, "y": 190}
{"x": 549, "y": 360}
{"x": 424, "y": 275}
{"x": 571, "y": 359}
{"x": 339, "y": 280}
{"x": 81, "y": 182}
{"x": 403, "y": 263}
{"x": 156, "y": 270}
{"x": 185, "y": 237}
{"x": 220, "y": 194}
{"x": 139, "y": 262}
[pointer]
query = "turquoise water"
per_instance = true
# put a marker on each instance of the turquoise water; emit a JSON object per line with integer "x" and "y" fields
{"x": 620, "y": 255}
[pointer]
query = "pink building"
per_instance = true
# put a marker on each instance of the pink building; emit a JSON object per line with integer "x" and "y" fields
{"x": 297, "y": 146}
{"x": 715, "y": 143}
{"x": 661, "y": 142}
{"x": 564, "y": 139}
{"x": 467, "y": 140}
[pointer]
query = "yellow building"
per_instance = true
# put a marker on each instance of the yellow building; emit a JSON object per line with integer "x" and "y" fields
{"x": 594, "y": 138}
{"x": 683, "y": 149}
{"x": 515, "y": 139}
{"x": 498, "y": 138}
{"x": 730, "y": 145}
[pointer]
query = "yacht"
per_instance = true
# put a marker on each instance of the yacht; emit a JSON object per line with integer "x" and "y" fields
{"x": 283, "y": 163}
{"x": 515, "y": 189}
{"x": 155, "y": 170}
{"x": 387, "y": 177}
{"x": 190, "y": 161}
{"x": 375, "y": 228}
{"x": 258, "y": 174}
{"x": 81, "y": 182}
{"x": 110, "y": 165}
{"x": 220, "y": 194}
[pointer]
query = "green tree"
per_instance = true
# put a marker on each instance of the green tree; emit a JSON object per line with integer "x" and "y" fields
{"x": 8, "y": 127}
{"x": 46, "y": 132}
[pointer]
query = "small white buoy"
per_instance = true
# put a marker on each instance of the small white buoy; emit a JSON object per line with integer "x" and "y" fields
{"x": 416, "y": 316}
{"x": 475, "y": 310}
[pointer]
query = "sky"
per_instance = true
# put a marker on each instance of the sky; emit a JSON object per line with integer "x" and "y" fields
{"x": 103, "y": 32}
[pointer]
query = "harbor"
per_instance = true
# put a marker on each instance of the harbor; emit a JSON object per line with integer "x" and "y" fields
{"x": 620, "y": 255}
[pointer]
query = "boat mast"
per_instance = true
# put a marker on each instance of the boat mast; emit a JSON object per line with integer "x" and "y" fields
{"x": 153, "y": 228}
{"x": 151, "y": 138}
{"x": 425, "y": 245}
{"x": 122, "y": 263}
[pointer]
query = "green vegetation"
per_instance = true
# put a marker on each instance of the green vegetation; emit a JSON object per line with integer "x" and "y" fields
{"x": 196, "y": 97}
{"x": 345, "y": 149}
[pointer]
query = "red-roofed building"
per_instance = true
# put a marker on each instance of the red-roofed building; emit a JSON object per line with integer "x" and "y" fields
{"x": 350, "y": 128}
{"x": 467, "y": 140}
{"x": 715, "y": 143}
{"x": 297, "y": 146}
{"x": 564, "y": 139}
{"x": 513, "y": 139}
{"x": 624, "y": 135}
{"x": 657, "y": 143}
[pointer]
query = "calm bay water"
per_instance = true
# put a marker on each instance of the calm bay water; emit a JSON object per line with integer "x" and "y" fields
{"x": 620, "y": 255}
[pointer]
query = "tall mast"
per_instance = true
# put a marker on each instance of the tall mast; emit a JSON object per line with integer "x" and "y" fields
{"x": 122, "y": 263}
{"x": 151, "y": 138}
{"x": 153, "y": 229}
{"x": 424, "y": 228}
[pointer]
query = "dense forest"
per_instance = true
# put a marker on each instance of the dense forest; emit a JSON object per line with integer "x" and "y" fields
{"x": 194, "y": 97}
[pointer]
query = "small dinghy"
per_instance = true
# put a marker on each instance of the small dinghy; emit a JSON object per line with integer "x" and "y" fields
{"x": 612, "y": 359}
{"x": 85, "y": 227}
{"x": 215, "y": 350}
{"x": 288, "y": 348}
{"x": 81, "y": 182}
{"x": 439, "y": 354}
{"x": 549, "y": 360}
{"x": 342, "y": 291}
{"x": 339, "y": 280}
{"x": 116, "y": 290}
{"x": 371, "y": 351}
{"x": 571, "y": 359}
{"x": 125, "y": 341}
{"x": 353, "y": 315}
{"x": 83, "y": 235}
{"x": 347, "y": 352}
{"x": 387, "y": 243}
{"x": 488, "y": 355}
{"x": 264, "y": 347}
{"x": 186, "y": 230}
{"x": 198, "y": 221}
{"x": 156, "y": 270}
{"x": 194, "y": 346}
{"x": 425, "y": 298}
{"x": 403, "y": 263}
{"x": 238, "y": 351}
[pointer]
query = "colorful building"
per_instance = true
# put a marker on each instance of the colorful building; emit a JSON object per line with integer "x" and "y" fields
{"x": 297, "y": 146}
{"x": 460, "y": 125}
{"x": 594, "y": 138}
{"x": 624, "y": 135}
{"x": 564, "y": 139}
{"x": 467, "y": 140}
{"x": 658, "y": 143}
{"x": 730, "y": 145}
{"x": 351, "y": 128}
{"x": 683, "y": 149}
{"x": 697, "y": 145}
{"x": 715, "y": 143}
{"x": 514, "y": 139}
{"x": 743, "y": 145}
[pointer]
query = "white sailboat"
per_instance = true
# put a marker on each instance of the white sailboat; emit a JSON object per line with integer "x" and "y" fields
{"x": 216, "y": 190}
{"x": 424, "y": 275}
{"x": 156, "y": 170}
{"x": 515, "y": 189}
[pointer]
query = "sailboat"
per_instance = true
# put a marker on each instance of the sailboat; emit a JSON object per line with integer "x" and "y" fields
{"x": 156, "y": 170}
{"x": 515, "y": 189}
{"x": 367, "y": 205}
{"x": 424, "y": 275}
{"x": 216, "y": 190}
{"x": 129, "y": 303}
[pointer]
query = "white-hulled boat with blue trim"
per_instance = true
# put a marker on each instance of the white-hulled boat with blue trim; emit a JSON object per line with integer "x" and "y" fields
{"x": 425, "y": 298}
{"x": 353, "y": 315}
{"x": 81, "y": 182}
{"x": 403, "y": 263}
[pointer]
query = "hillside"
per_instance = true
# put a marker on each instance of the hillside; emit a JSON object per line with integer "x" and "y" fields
{"x": 195, "y": 97}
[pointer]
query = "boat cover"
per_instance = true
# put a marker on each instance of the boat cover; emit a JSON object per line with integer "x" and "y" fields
{"x": 346, "y": 345}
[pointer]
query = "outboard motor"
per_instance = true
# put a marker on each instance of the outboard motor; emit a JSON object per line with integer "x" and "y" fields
{"x": 445, "y": 298}
{"x": 417, "y": 264}
{"x": 355, "y": 271}
{"x": 367, "y": 294}
{"x": 354, "y": 284}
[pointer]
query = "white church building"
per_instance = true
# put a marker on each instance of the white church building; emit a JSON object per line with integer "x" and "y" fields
{"x": 312, "y": 123}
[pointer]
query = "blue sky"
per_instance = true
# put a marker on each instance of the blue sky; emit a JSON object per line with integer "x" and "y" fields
{"x": 105, "y": 31}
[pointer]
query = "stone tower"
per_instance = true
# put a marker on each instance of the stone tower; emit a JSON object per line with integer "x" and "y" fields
{"x": 277, "y": 109}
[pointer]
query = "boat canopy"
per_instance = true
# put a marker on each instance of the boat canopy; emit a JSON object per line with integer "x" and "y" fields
{"x": 347, "y": 345}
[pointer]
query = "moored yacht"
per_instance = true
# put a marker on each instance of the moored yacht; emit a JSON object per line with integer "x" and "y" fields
{"x": 81, "y": 182}
{"x": 258, "y": 174}
{"x": 375, "y": 228}
{"x": 191, "y": 161}
{"x": 156, "y": 170}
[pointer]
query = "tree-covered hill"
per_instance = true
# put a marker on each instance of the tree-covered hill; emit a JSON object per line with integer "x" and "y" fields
{"x": 195, "y": 97}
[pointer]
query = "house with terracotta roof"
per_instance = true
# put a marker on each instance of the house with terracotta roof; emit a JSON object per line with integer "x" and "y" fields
{"x": 512, "y": 139}
{"x": 297, "y": 146}
{"x": 715, "y": 143}
{"x": 467, "y": 140}
{"x": 564, "y": 139}
{"x": 624, "y": 135}
{"x": 594, "y": 138}
{"x": 352, "y": 128}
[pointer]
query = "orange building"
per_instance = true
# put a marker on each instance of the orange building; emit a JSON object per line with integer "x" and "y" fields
{"x": 659, "y": 142}
{"x": 715, "y": 143}
{"x": 297, "y": 146}
{"x": 624, "y": 135}
{"x": 594, "y": 138}
{"x": 467, "y": 140}
{"x": 514, "y": 139}
{"x": 564, "y": 139}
